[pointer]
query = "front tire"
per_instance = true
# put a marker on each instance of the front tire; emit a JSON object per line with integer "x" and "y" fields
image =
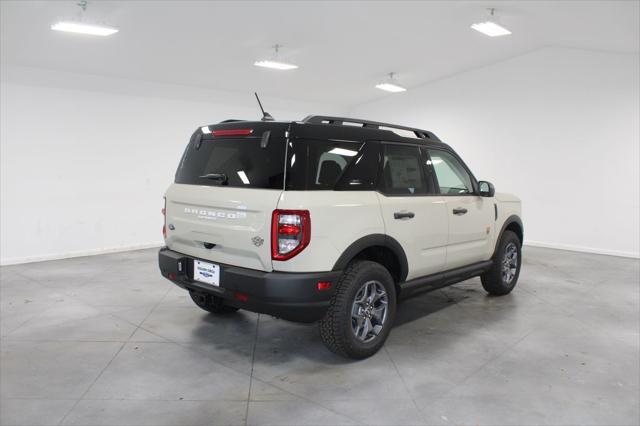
{"x": 210, "y": 303}
{"x": 361, "y": 312}
{"x": 503, "y": 275}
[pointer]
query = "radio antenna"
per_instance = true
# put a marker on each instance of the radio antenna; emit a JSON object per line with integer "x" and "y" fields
{"x": 265, "y": 115}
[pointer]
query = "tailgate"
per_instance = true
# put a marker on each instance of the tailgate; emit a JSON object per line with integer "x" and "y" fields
{"x": 222, "y": 224}
{"x": 227, "y": 185}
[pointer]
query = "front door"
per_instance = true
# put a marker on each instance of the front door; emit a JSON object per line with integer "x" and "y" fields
{"x": 470, "y": 216}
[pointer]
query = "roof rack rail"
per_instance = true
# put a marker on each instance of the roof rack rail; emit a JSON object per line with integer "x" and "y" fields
{"x": 324, "y": 119}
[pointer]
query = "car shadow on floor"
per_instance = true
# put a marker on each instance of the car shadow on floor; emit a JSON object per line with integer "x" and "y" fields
{"x": 279, "y": 341}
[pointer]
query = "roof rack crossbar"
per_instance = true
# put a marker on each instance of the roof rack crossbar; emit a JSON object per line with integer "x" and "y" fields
{"x": 325, "y": 119}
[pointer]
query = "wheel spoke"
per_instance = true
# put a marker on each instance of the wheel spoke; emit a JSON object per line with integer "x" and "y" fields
{"x": 366, "y": 327}
{"x": 358, "y": 327}
{"x": 355, "y": 311}
{"x": 378, "y": 295}
{"x": 371, "y": 291}
{"x": 378, "y": 313}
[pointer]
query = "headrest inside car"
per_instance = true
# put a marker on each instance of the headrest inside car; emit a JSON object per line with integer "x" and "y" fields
{"x": 329, "y": 172}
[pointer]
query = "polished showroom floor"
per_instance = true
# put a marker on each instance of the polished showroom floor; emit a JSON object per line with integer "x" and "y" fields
{"x": 104, "y": 340}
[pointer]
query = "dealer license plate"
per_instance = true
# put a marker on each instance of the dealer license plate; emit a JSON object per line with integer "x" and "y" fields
{"x": 206, "y": 272}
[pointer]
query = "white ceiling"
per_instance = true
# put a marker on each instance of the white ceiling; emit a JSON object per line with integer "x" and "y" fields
{"x": 342, "y": 48}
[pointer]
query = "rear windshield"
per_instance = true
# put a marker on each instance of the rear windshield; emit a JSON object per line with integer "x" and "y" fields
{"x": 234, "y": 162}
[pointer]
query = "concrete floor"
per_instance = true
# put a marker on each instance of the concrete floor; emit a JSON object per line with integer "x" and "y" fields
{"x": 105, "y": 340}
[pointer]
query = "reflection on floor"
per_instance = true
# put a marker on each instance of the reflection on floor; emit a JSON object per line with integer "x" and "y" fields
{"x": 104, "y": 340}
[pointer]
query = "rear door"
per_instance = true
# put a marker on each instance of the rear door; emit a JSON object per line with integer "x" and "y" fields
{"x": 413, "y": 213}
{"x": 470, "y": 216}
{"x": 225, "y": 191}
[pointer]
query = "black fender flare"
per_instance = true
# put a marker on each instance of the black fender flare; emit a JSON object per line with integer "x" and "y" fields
{"x": 370, "y": 241}
{"x": 511, "y": 219}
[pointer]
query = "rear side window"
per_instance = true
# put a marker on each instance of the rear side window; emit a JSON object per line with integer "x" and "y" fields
{"x": 402, "y": 172}
{"x": 362, "y": 173}
{"x": 238, "y": 162}
{"x": 318, "y": 164}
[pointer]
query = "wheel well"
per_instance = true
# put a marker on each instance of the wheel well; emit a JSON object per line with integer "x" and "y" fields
{"x": 517, "y": 229}
{"x": 384, "y": 256}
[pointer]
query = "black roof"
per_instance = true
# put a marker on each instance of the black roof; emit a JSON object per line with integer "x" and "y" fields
{"x": 330, "y": 127}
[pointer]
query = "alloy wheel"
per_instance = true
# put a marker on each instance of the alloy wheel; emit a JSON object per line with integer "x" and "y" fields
{"x": 509, "y": 263}
{"x": 369, "y": 311}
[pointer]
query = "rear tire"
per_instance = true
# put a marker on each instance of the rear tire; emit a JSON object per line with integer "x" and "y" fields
{"x": 503, "y": 275}
{"x": 210, "y": 303}
{"x": 361, "y": 312}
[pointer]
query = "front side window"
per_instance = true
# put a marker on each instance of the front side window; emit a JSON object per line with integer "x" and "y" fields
{"x": 452, "y": 177}
{"x": 402, "y": 171}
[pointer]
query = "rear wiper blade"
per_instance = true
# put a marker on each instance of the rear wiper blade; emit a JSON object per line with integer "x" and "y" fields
{"x": 215, "y": 176}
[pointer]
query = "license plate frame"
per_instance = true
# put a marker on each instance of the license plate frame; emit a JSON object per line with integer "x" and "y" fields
{"x": 206, "y": 272}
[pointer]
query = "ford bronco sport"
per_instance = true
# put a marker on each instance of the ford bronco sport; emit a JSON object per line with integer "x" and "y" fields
{"x": 331, "y": 219}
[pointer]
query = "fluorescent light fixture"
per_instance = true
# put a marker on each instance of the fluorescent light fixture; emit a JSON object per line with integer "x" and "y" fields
{"x": 276, "y": 65}
{"x": 390, "y": 84}
{"x": 342, "y": 151}
{"x": 390, "y": 87}
{"x": 243, "y": 177}
{"x": 82, "y": 28}
{"x": 274, "y": 62}
{"x": 491, "y": 29}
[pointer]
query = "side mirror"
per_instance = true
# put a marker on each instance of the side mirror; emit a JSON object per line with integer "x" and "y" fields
{"x": 486, "y": 189}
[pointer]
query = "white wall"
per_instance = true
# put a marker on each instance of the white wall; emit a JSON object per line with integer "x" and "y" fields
{"x": 85, "y": 159}
{"x": 84, "y": 171}
{"x": 558, "y": 127}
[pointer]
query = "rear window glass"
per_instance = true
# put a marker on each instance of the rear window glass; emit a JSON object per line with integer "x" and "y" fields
{"x": 318, "y": 164}
{"x": 236, "y": 162}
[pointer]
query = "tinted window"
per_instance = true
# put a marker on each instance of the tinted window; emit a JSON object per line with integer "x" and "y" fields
{"x": 452, "y": 176}
{"x": 318, "y": 164}
{"x": 242, "y": 162}
{"x": 402, "y": 171}
{"x": 362, "y": 173}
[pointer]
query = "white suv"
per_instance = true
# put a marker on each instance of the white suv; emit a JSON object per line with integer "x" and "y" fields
{"x": 331, "y": 219}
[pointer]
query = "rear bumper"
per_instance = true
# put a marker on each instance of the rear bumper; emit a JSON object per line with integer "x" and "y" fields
{"x": 291, "y": 296}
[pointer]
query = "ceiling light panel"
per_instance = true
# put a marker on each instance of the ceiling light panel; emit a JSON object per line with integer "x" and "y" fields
{"x": 491, "y": 29}
{"x": 83, "y": 28}
{"x": 274, "y": 62}
{"x": 276, "y": 65}
{"x": 390, "y": 87}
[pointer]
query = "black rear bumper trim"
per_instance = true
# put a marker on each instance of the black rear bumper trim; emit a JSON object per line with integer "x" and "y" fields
{"x": 287, "y": 295}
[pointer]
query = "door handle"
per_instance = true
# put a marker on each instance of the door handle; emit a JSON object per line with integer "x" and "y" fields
{"x": 403, "y": 215}
{"x": 459, "y": 211}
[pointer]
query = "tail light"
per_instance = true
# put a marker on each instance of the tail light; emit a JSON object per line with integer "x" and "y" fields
{"x": 290, "y": 233}
{"x": 164, "y": 215}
